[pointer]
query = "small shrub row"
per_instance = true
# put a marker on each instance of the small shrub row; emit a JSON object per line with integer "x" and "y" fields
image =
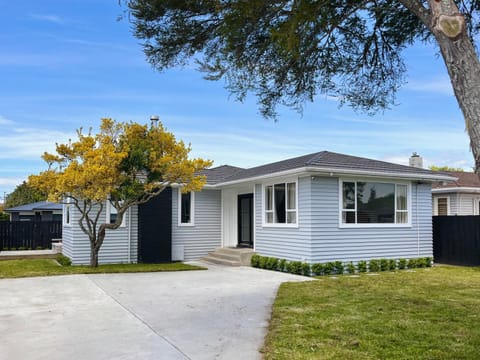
{"x": 271, "y": 263}
{"x": 337, "y": 267}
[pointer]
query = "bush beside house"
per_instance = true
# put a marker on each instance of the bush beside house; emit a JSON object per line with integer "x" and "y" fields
{"x": 338, "y": 267}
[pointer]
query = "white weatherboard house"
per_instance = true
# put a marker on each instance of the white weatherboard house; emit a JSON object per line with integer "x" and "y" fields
{"x": 458, "y": 197}
{"x": 316, "y": 208}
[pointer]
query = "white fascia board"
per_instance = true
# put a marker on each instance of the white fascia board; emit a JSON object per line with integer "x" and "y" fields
{"x": 456, "y": 189}
{"x": 266, "y": 176}
{"x": 342, "y": 172}
{"x": 206, "y": 186}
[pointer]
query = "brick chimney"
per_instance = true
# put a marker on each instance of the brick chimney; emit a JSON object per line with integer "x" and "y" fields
{"x": 416, "y": 161}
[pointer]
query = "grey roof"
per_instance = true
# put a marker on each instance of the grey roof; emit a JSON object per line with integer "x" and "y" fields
{"x": 330, "y": 160}
{"x": 220, "y": 173}
{"x": 36, "y": 206}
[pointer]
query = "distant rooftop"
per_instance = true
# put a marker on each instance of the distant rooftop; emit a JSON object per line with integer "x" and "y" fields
{"x": 464, "y": 179}
{"x": 36, "y": 206}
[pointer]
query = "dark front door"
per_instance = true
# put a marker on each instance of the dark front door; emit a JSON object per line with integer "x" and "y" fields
{"x": 155, "y": 229}
{"x": 245, "y": 220}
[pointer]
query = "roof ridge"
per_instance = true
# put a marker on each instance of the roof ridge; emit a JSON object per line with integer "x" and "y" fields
{"x": 316, "y": 156}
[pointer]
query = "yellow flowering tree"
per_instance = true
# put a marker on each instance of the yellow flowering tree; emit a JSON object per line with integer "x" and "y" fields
{"x": 124, "y": 163}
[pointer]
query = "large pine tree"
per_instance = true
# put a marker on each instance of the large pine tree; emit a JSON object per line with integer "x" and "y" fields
{"x": 287, "y": 51}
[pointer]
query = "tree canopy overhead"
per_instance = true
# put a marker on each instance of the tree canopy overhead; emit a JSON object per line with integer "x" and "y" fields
{"x": 288, "y": 51}
{"x": 125, "y": 164}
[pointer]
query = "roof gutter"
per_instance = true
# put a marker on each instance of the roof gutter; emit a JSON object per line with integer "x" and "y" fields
{"x": 342, "y": 172}
{"x": 456, "y": 189}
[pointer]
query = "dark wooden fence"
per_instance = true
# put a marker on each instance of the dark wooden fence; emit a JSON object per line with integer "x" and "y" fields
{"x": 29, "y": 235}
{"x": 456, "y": 240}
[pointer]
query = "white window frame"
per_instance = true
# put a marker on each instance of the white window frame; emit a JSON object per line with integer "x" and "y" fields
{"x": 192, "y": 209}
{"x": 67, "y": 212}
{"x": 282, "y": 225}
{"x": 435, "y": 204}
{"x": 108, "y": 212}
{"x": 476, "y": 206}
{"x": 341, "y": 224}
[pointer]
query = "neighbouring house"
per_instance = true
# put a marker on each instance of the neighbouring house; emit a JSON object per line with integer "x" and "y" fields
{"x": 457, "y": 197}
{"x": 318, "y": 207}
{"x": 37, "y": 211}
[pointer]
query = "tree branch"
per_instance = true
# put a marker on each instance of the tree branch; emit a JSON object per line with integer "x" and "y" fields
{"x": 424, "y": 14}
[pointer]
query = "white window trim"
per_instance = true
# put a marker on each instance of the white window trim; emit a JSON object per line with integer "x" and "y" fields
{"x": 108, "y": 209}
{"x": 373, "y": 225}
{"x": 476, "y": 205}
{"x": 67, "y": 208}
{"x": 435, "y": 204}
{"x": 192, "y": 208}
{"x": 281, "y": 225}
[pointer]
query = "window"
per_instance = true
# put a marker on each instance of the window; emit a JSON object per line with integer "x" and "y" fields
{"x": 112, "y": 214}
{"x": 281, "y": 203}
{"x": 66, "y": 211}
{"x": 374, "y": 203}
{"x": 442, "y": 206}
{"x": 185, "y": 208}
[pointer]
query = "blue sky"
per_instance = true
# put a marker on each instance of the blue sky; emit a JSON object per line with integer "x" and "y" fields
{"x": 68, "y": 63}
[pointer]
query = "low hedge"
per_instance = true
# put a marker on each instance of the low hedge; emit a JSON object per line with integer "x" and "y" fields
{"x": 337, "y": 267}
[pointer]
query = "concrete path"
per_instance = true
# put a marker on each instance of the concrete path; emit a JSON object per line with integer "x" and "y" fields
{"x": 221, "y": 313}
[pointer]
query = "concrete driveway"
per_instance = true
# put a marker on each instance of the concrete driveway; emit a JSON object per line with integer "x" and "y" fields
{"x": 221, "y": 313}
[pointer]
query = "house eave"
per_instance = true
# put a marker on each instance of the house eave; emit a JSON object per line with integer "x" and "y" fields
{"x": 459, "y": 189}
{"x": 340, "y": 172}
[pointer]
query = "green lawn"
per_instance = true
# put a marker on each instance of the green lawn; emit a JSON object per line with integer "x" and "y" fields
{"x": 428, "y": 314}
{"x": 46, "y": 267}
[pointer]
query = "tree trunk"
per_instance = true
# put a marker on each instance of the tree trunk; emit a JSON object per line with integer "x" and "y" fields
{"x": 93, "y": 256}
{"x": 95, "y": 245}
{"x": 463, "y": 67}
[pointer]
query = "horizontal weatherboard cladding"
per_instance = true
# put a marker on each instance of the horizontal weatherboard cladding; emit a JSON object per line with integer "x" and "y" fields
{"x": 331, "y": 242}
{"x": 320, "y": 238}
{"x": 291, "y": 243}
{"x": 205, "y": 235}
{"x": 115, "y": 248}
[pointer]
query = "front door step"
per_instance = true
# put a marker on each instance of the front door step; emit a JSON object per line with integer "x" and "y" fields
{"x": 230, "y": 256}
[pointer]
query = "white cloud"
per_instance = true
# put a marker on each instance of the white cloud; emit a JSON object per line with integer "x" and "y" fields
{"x": 5, "y": 121}
{"x": 48, "y": 18}
{"x": 107, "y": 45}
{"x": 454, "y": 159}
{"x": 30, "y": 143}
{"x": 11, "y": 182}
{"x": 442, "y": 85}
{"x": 401, "y": 159}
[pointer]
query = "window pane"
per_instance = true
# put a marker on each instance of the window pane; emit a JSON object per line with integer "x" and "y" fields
{"x": 268, "y": 197}
{"x": 67, "y": 214}
{"x": 401, "y": 197}
{"x": 348, "y": 217}
{"x": 113, "y": 214}
{"x": 113, "y": 218}
{"x": 185, "y": 208}
{"x": 402, "y": 217}
{"x": 279, "y": 198}
{"x": 269, "y": 218}
{"x": 348, "y": 195}
{"x": 442, "y": 206}
{"x": 291, "y": 196}
{"x": 375, "y": 202}
{"x": 292, "y": 217}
